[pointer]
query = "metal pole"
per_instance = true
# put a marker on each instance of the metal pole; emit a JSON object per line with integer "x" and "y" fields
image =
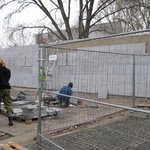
{"x": 133, "y": 83}
{"x": 40, "y": 86}
{"x": 99, "y": 102}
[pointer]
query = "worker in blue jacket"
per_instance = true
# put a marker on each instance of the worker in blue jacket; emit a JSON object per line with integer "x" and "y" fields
{"x": 66, "y": 90}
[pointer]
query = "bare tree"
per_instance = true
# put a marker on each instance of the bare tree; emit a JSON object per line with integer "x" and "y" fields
{"x": 17, "y": 39}
{"x": 126, "y": 15}
{"x": 87, "y": 11}
{"x": 134, "y": 14}
{"x": 21, "y": 38}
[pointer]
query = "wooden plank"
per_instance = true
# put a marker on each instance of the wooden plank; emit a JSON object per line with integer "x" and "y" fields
{"x": 144, "y": 105}
{"x": 17, "y": 146}
{"x": 5, "y": 147}
{"x": 12, "y": 146}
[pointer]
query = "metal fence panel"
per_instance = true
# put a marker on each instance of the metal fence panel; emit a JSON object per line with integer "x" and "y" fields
{"x": 105, "y": 83}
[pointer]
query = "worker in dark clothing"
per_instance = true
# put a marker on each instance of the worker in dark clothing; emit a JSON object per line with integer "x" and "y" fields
{"x": 66, "y": 90}
{"x": 5, "y": 87}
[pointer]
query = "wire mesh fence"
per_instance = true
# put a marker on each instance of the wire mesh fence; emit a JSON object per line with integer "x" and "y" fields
{"x": 121, "y": 133}
{"x": 105, "y": 83}
{"x": 142, "y": 83}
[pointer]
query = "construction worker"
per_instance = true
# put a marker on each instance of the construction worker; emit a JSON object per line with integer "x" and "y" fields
{"x": 5, "y": 87}
{"x": 42, "y": 75}
{"x": 66, "y": 90}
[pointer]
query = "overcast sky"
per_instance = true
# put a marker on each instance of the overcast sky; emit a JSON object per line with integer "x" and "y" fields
{"x": 30, "y": 15}
{"x": 1, "y": 21}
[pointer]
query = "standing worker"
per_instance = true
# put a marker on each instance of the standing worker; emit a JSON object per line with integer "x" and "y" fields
{"x": 66, "y": 90}
{"x": 5, "y": 87}
{"x": 42, "y": 75}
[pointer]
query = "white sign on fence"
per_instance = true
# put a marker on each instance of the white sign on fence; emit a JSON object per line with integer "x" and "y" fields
{"x": 52, "y": 57}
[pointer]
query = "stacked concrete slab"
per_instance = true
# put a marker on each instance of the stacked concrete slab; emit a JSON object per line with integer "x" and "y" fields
{"x": 22, "y": 61}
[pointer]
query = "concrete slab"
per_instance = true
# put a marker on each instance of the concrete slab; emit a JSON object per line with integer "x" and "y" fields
{"x": 31, "y": 111}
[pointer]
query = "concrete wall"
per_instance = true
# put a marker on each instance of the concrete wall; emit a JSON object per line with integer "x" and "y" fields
{"x": 104, "y": 73}
{"x": 24, "y": 66}
{"x": 143, "y": 38}
{"x": 22, "y": 61}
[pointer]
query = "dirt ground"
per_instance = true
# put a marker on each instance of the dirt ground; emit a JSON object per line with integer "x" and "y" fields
{"x": 24, "y": 133}
{"x": 20, "y": 132}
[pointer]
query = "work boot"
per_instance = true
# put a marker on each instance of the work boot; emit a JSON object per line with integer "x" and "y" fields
{"x": 10, "y": 119}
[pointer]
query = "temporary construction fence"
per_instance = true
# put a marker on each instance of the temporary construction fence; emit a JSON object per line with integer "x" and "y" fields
{"x": 105, "y": 83}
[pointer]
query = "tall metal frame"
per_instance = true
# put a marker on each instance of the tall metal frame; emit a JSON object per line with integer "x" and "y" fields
{"x": 41, "y": 61}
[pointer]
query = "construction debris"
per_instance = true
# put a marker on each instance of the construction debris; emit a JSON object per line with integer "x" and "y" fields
{"x": 53, "y": 111}
{"x": 31, "y": 111}
{"x": 4, "y": 136}
{"x": 26, "y": 107}
{"x": 49, "y": 100}
{"x": 17, "y": 112}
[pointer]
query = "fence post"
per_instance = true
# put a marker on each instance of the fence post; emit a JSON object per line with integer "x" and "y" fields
{"x": 40, "y": 87}
{"x": 133, "y": 83}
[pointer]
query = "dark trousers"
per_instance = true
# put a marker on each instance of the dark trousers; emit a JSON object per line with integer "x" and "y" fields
{"x": 5, "y": 97}
{"x": 64, "y": 103}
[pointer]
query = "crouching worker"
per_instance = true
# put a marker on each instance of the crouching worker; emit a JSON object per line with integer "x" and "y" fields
{"x": 5, "y": 75}
{"x": 66, "y": 90}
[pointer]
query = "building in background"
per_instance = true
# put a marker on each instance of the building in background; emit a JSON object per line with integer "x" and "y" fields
{"x": 96, "y": 31}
